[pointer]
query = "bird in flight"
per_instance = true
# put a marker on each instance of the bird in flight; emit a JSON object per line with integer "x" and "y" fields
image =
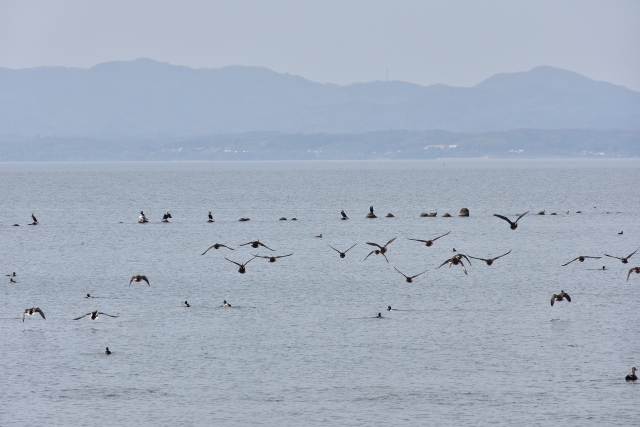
{"x": 633, "y": 270}
{"x": 255, "y": 244}
{"x": 377, "y": 252}
{"x": 490, "y": 261}
{"x": 139, "y": 278}
{"x": 241, "y": 266}
{"x": 514, "y": 224}
{"x": 409, "y": 279}
{"x": 383, "y": 249}
{"x": 559, "y": 297}
{"x": 31, "y": 311}
{"x": 429, "y": 242}
{"x": 93, "y": 315}
{"x": 216, "y": 246}
{"x": 455, "y": 260}
{"x": 272, "y": 258}
{"x": 343, "y": 254}
{"x": 581, "y": 258}
{"x": 624, "y": 260}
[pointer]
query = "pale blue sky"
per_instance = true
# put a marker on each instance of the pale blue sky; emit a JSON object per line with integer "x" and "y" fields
{"x": 455, "y": 42}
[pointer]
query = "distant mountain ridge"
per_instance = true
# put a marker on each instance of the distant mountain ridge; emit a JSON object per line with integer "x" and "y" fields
{"x": 145, "y": 97}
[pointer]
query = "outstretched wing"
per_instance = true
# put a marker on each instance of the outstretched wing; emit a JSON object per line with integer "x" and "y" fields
{"x": 447, "y": 261}
{"x": 570, "y": 261}
{"x": 84, "y": 315}
{"x": 518, "y": 219}
{"x": 390, "y": 241}
{"x": 553, "y": 299}
{"x": 616, "y": 257}
{"x": 132, "y": 279}
{"x": 440, "y": 236}
{"x": 365, "y": 258}
{"x": 630, "y": 255}
{"x": 232, "y": 261}
{"x": 630, "y": 271}
{"x": 500, "y": 255}
{"x": 463, "y": 267}
{"x": 503, "y": 217}
{"x": 106, "y": 314}
{"x": 350, "y": 248}
{"x": 210, "y": 247}
{"x": 418, "y": 240}
{"x": 385, "y": 257}
{"x": 225, "y": 246}
{"x": 245, "y": 244}
{"x": 566, "y": 295}
{"x": 254, "y": 257}
{"x": 282, "y": 256}
{"x": 374, "y": 244}
{"x": 481, "y": 259}
{"x": 25, "y": 312}
{"x": 399, "y": 271}
{"x": 413, "y": 277}
{"x": 145, "y": 279}
{"x": 262, "y": 244}
{"x": 41, "y": 313}
{"x": 334, "y": 248}
{"x": 463, "y": 255}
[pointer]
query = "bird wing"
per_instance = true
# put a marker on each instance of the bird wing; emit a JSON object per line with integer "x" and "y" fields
{"x": 481, "y": 259}
{"x": 418, "y": 240}
{"x": 413, "y": 277}
{"x": 463, "y": 255}
{"x": 145, "y": 279}
{"x": 233, "y": 261}
{"x": 25, "y": 312}
{"x": 594, "y": 257}
{"x": 260, "y": 256}
{"x": 210, "y": 247}
{"x": 106, "y": 314}
{"x": 132, "y": 279}
{"x": 41, "y": 313}
{"x": 78, "y": 318}
{"x": 350, "y": 248}
{"x": 385, "y": 257}
{"x": 553, "y": 298}
{"x": 282, "y": 256}
{"x": 365, "y": 258}
{"x": 630, "y": 255}
{"x": 334, "y": 248}
{"x": 500, "y": 255}
{"x": 629, "y": 273}
{"x": 399, "y": 271}
{"x": 570, "y": 261}
{"x": 503, "y": 217}
{"x": 566, "y": 295}
{"x": 521, "y": 216}
{"x": 611, "y": 256}
{"x": 463, "y": 267}
{"x": 262, "y": 244}
{"x": 374, "y": 244}
{"x": 254, "y": 257}
{"x": 225, "y": 246}
{"x": 390, "y": 241}
{"x": 447, "y": 261}
{"x": 440, "y": 236}
{"x": 245, "y": 244}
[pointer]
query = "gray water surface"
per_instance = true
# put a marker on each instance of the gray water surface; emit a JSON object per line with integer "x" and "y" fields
{"x": 301, "y": 346}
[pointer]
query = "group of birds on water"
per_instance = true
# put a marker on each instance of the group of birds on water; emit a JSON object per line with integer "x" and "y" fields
{"x": 456, "y": 259}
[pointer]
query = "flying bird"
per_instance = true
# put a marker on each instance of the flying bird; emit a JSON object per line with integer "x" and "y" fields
{"x": 216, "y": 246}
{"x": 255, "y": 244}
{"x": 514, "y": 225}
{"x": 624, "y": 260}
{"x": 377, "y": 252}
{"x": 561, "y": 296}
{"x": 409, "y": 279}
{"x": 581, "y": 258}
{"x": 633, "y": 270}
{"x": 430, "y": 242}
{"x": 139, "y": 278}
{"x": 93, "y": 315}
{"x": 455, "y": 260}
{"x": 241, "y": 266}
{"x": 31, "y": 311}
{"x": 343, "y": 254}
{"x": 383, "y": 249}
{"x": 490, "y": 261}
{"x": 272, "y": 258}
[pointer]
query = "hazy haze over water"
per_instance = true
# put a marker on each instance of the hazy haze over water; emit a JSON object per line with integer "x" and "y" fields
{"x": 301, "y": 346}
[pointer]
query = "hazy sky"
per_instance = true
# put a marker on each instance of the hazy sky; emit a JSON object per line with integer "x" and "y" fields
{"x": 454, "y": 42}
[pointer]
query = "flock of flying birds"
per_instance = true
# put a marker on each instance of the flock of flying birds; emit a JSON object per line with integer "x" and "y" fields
{"x": 456, "y": 259}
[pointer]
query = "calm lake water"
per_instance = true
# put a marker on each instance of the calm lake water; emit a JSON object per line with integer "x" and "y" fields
{"x": 301, "y": 346}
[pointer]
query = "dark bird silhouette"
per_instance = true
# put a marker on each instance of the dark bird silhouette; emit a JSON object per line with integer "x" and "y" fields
{"x": 11, "y": 280}
{"x": 342, "y": 254}
{"x": 165, "y": 217}
{"x": 379, "y": 316}
{"x": 383, "y": 249}
{"x": 620, "y": 232}
{"x": 241, "y": 266}
{"x": 390, "y": 309}
{"x": 88, "y": 296}
{"x": 581, "y": 258}
{"x": 633, "y": 270}
{"x": 377, "y": 252}
{"x": 93, "y": 315}
{"x": 514, "y": 224}
{"x": 216, "y": 246}
{"x": 107, "y": 351}
{"x": 255, "y": 244}
{"x": 272, "y": 258}
{"x": 210, "y": 217}
{"x": 559, "y": 297}
{"x": 31, "y": 311}
{"x": 35, "y": 220}
{"x": 430, "y": 242}
{"x": 12, "y": 274}
{"x": 371, "y": 214}
{"x": 139, "y": 278}
{"x": 632, "y": 376}
{"x": 624, "y": 260}
{"x": 489, "y": 261}
{"x": 344, "y": 215}
{"x": 409, "y": 279}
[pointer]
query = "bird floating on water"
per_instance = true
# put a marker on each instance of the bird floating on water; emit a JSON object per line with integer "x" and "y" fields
{"x": 165, "y": 217}
{"x": 371, "y": 214}
{"x": 186, "y": 304}
{"x": 430, "y": 242}
{"x": 107, "y": 351}
{"x": 581, "y": 258}
{"x": 344, "y": 215}
{"x": 225, "y": 304}
{"x": 342, "y": 254}
{"x": 319, "y": 236}
{"x": 88, "y": 296}
{"x": 210, "y": 217}
{"x": 31, "y": 311}
{"x": 513, "y": 224}
{"x": 139, "y": 278}
{"x": 632, "y": 376}
{"x": 624, "y": 260}
{"x": 490, "y": 261}
{"x": 560, "y": 297}
{"x": 217, "y": 246}
{"x": 93, "y": 315}
{"x": 142, "y": 218}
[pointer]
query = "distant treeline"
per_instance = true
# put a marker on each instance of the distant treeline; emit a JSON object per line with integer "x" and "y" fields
{"x": 519, "y": 143}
